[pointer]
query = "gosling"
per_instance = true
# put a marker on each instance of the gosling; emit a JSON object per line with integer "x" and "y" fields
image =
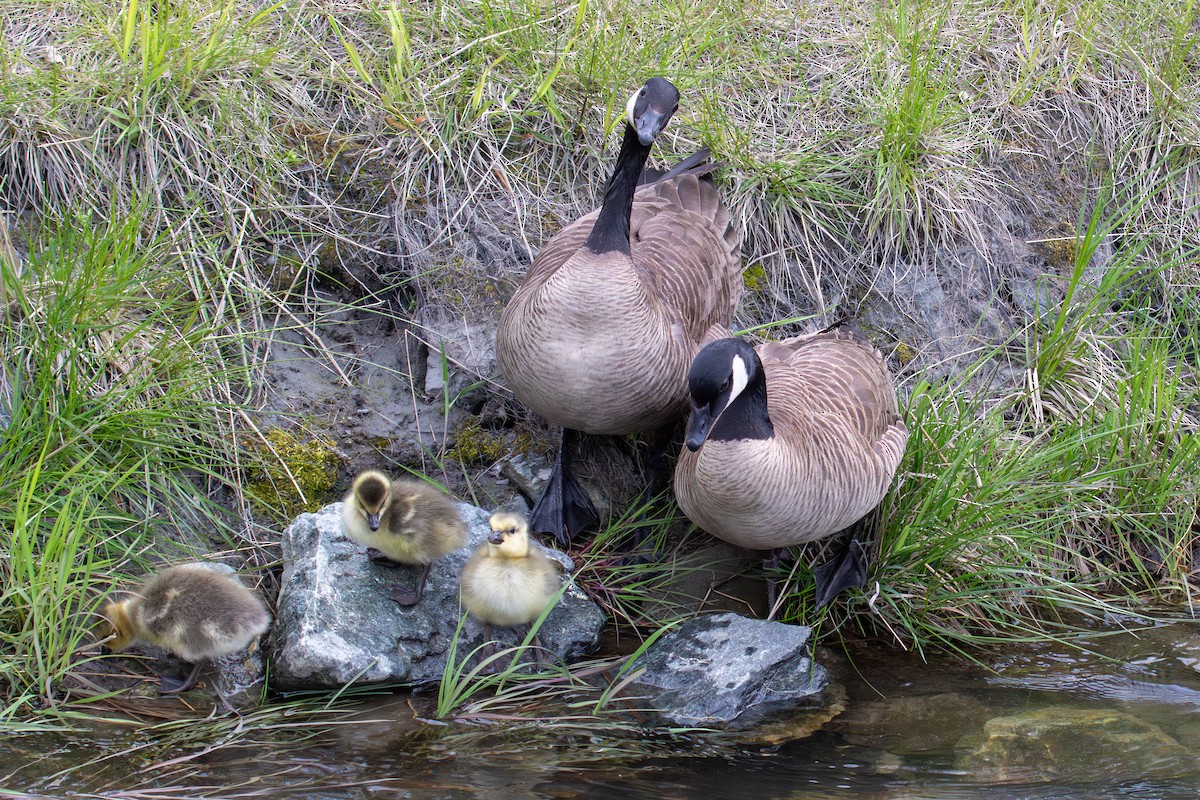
{"x": 195, "y": 612}
{"x": 402, "y": 522}
{"x": 508, "y": 580}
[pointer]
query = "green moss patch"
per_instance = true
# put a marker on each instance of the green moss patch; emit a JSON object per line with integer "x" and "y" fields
{"x": 293, "y": 475}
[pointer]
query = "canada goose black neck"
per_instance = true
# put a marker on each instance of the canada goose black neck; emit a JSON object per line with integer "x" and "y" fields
{"x": 647, "y": 113}
{"x": 611, "y": 231}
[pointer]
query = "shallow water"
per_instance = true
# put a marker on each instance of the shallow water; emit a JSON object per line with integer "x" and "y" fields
{"x": 908, "y": 732}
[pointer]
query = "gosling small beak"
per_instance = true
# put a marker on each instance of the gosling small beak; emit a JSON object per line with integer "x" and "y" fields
{"x": 496, "y": 537}
{"x": 373, "y": 521}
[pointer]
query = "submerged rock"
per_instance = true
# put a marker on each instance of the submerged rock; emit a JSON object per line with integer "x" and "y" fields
{"x": 727, "y": 671}
{"x": 335, "y": 623}
{"x": 911, "y": 725}
{"x": 1066, "y": 743}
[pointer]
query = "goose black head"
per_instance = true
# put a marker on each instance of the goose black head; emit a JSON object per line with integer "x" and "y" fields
{"x": 719, "y": 374}
{"x": 650, "y": 108}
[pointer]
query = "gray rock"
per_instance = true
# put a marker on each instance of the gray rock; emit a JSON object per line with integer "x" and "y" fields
{"x": 239, "y": 678}
{"x": 335, "y": 623}
{"x": 727, "y": 671}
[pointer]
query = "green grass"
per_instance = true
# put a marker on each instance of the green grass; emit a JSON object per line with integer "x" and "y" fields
{"x": 113, "y": 439}
{"x": 1071, "y": 496}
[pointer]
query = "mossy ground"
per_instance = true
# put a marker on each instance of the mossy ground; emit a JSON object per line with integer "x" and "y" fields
{"x": 297, "y": 475}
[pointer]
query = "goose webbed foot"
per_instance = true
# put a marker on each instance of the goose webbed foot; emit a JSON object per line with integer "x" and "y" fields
{"x": 564, "y": 508}
{"x": 404, "y": 595}
{"x": 171, "y": 684}
{"x": 771, "y": 567}
{"x": 845, "y": 570}
{"x": 637, "y": 545}
{"x": 540, "y": 656}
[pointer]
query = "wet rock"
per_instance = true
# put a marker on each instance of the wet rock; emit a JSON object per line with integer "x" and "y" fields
{"x": 239, "y": 677}
{"x": 335, "y": 623}
{"x": 911, "y": 725}
{"x": 730, "y": 672}
{"x": 528, "y": 473}
{"x": 1062, "y": 742}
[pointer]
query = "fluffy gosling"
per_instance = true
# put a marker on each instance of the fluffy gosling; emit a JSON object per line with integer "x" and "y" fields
{"x": 508, "y": 580}
{"x": 402, "y": 522}
{"x": 195, "y": 612}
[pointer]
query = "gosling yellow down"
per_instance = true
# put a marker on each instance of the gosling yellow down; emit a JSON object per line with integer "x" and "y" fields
{"x": 195, "y": 612}
{"x": 402, "y": 522}
{"x": 508, "y": 580}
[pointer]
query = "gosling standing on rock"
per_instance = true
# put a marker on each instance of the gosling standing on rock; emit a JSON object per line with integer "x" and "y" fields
{"x": 508, "y": 579}
{"x": 402, "y": 522}
{"x": 191, "y": 610}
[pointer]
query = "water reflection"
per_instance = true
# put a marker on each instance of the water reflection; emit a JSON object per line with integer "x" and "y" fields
{"x": 1118, "y": 722}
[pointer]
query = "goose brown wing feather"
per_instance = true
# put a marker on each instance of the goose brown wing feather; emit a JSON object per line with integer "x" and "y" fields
{"x": 677, "y": 250}
{"x": 673, "y": 241}
{"x": 836, "y": 372}
{"x": 558, "y": 250}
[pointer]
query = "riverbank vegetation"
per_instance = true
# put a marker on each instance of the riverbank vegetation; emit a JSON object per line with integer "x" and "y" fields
{"x": 183, "y": 182}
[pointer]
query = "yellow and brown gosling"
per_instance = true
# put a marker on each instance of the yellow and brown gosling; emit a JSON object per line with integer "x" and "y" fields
{"x": 402, "y": 522}
{"x": 508, "y": 580}
{"x": 195, "y": 612}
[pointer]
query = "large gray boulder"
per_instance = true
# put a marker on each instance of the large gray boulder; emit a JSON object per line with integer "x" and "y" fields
{"x": 335, "y": 623}
{"x": 730, "y": 672}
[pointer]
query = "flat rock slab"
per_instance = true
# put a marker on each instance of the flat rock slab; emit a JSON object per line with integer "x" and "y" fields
{"x": 729, "y": 672}
{"x": 335, "y": 623}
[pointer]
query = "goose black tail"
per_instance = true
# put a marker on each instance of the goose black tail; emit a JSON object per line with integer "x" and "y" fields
{"x": 695, "y": 164}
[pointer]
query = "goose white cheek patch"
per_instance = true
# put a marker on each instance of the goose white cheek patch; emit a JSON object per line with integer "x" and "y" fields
{"x": 633, "y": 98}
{"x": 740, "y": 378}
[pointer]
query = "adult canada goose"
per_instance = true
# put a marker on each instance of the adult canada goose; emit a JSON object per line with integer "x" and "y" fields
{"x": 508, "y": 580}
{"x": 600, "y": 334}
{"x": 402, "y": 522}
{"x": 191, "y": 610}
{"x": 789, "y": 443}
